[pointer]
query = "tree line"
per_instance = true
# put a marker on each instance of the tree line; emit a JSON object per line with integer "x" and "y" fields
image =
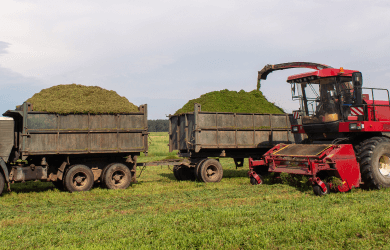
{"x": 158, "y": 125}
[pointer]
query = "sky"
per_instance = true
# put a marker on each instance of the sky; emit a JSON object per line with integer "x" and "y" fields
{"x": 164, "y": 53}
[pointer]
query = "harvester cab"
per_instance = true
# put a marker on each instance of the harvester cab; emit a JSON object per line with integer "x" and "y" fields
{"x": 326, "y": 97}
{"x": 333, "y": 110}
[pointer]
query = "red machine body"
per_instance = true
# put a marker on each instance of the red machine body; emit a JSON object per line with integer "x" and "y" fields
{"x": 348, "y": 131}
{"x": 338, "y": 160}
{"x": 374, "y": 116}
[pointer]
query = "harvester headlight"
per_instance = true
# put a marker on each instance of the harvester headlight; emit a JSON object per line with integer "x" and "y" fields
{"x": 355, "y": 126}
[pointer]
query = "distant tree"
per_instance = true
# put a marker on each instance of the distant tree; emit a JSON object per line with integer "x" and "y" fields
{"x": 158, "y": 125}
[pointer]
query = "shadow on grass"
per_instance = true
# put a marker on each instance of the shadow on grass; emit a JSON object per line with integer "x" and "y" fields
{"x": 169, "y": 176}
{"x": 29, "y": 186}
{"x": 233, "y": 173}
{"x": 229, "y": 173}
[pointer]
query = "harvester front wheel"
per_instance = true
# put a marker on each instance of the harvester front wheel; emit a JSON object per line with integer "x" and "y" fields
{"x": 318, "y": 190}
{"x": 374, "y": 159}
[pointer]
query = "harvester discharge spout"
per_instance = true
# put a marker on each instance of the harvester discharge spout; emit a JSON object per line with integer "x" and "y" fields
{"x": 262, "y": 74}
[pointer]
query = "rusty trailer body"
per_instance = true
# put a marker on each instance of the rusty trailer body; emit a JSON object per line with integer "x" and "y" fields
{"x": 198, "y": 135}
{"x": 71, "y": 149}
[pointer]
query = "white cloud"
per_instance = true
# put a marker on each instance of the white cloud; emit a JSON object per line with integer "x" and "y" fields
{"x": 182, "y": 49}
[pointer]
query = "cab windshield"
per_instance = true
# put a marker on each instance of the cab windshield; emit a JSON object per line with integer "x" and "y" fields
{"x": 324, "y": 100}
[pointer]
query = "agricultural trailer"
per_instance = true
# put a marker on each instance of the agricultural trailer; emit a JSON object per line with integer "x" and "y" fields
{"x": 348, "y": 132}
{"x": 73, "y": 151}
{"x": 203, "y": 137}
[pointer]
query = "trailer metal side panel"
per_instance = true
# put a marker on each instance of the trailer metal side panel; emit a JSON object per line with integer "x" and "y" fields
{"x": 7, "y": 138}
{"x": 47, "y": 133}
{"x": 200, "y": 130}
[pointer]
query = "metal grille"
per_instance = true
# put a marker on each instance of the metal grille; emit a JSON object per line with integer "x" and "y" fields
{"x": 302, "y": 150}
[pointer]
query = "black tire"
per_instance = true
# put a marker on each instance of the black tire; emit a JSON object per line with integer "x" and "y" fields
{"x": 116, "y": 176}
{"x": 2, "y": 183}
{"x": 318, "y": 190}
{"x": 253, "y": 181}
{"x": 197, "y": 167}
{"x": 374, "y": 159}
{"x": 210, "y": 171}
{"x": 104, "y": 172}
{"x": 176, "y": 170}
{"x": 183, "y": 173}
{"x": 186, "y": 173}
{"x": 78, "y": 178}
{"x": 58, "y": 184}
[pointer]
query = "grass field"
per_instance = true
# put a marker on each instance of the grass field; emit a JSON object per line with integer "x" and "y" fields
{"x": 161, "y": 213}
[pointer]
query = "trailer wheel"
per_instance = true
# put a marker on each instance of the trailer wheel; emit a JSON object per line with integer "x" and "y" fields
{"x": 211, "y": 171}
{"x": 183, "y": 173}
{"x": 58, "y": 184}
{"x": 176, "y": 170}
{"x": 197, "y": 167}
{"x": 2, "y": 183}
{"x": 117, "y": 176}
{"x": 374, "y": 158}
{"x": 78, "y": 178}
{"x": 186, "y": 173}
{"x": 318, "y": 190}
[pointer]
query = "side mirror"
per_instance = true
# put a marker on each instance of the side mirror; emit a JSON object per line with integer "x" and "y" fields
{"x": 357, "y": 81}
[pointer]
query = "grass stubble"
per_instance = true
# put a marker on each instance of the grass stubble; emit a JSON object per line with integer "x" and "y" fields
{"x": 161, "y": 213}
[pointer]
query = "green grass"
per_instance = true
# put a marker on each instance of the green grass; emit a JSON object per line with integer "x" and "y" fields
{"x": 76, "y": 98}
{"x": 161, "y": 213}
{"x": 233, "y": 101}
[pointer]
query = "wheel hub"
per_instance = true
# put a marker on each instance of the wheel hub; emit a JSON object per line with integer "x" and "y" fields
{"x": 117, "y": 177}
{"x": 79, "y": 180}
{"x": 384, "y": 165}
{"x": 210, "y": 172}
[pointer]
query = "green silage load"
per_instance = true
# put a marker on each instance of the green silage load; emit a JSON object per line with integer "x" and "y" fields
{"x": 233, "y": 101}
{"x": 76, "y": 98}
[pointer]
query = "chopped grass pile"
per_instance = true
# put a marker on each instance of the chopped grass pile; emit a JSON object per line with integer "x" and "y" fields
{"x": 233, "y": 101}
{"x": 76, "y": 98}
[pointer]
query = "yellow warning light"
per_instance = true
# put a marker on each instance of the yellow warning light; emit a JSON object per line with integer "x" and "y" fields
{"x": 341, "y": 70}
